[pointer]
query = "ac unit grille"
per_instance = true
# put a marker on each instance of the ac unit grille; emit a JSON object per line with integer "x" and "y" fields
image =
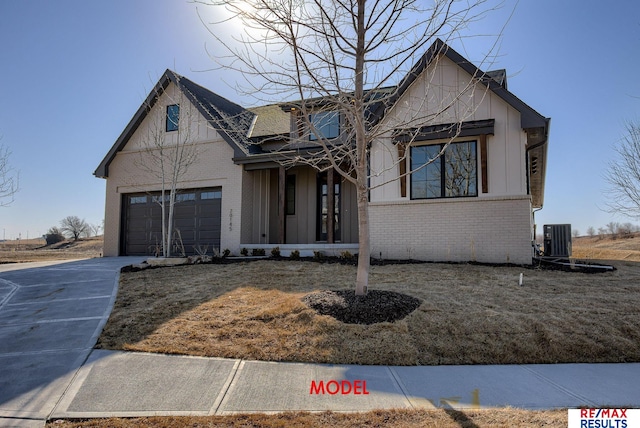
{"x": 557, "y": 240}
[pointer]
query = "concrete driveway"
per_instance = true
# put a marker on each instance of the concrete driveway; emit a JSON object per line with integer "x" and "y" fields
{"x": 51, "y": 314}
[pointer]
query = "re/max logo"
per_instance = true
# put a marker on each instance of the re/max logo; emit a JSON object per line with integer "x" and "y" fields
{"x": 344, "y": 387}
{"x": 603, "y": 413}
{"x": 604, "y": 418}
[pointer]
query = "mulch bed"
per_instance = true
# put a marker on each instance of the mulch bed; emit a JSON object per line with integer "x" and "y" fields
{"x": 374, "y": 307}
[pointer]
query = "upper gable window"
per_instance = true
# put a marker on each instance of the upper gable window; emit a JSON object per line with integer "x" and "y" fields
{"x": 173, "y": 117}
{"x": 326, "y": 124}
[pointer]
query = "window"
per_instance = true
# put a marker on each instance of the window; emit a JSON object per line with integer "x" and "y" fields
{"x": 215, "y": 194}
{"x": 173, "y": 117}
{"x": 184, "y": 197}
{"x": 326, "y": 124}
{"x": 137, "y": 200}
{"x": 454, "y": 174}
{"x": 158, "y": 198}
{"x": 290, "y": 194}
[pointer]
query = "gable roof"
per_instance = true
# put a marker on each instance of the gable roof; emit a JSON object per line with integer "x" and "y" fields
{"x": 230, "y": 120}
{"x": 533, "y": 123}
{"x": 494, "y": 81}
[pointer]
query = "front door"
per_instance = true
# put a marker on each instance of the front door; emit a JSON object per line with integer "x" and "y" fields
{"x": 323, "y": 213}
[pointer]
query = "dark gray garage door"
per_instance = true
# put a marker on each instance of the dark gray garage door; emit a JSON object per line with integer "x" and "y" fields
{"x": 196, "y": 222}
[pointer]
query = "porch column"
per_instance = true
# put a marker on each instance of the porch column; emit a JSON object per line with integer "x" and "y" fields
{"x": 282, "y": 209}
{"x": 331, "y": 197}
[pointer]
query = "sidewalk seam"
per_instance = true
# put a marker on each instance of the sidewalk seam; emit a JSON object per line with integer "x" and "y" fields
{"x": 558, "y": 386}
{"x": 67, "y": 388}
{"x": 226, "y": 387}
{"x": 401, "y": 385}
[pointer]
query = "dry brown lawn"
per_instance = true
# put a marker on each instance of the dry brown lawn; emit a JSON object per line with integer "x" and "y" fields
{"x": 507, "y": 418}
{"x": 470, "y": 314}
{"x": 36, "y": 250}
{"x": 606, "y": 248}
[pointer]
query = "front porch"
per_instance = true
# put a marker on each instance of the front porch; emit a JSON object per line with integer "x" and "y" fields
{"x": 300, "y": 208}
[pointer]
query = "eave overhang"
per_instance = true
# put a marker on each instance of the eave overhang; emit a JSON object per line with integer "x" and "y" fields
{"x": 276, "y": 159}
{"x": 444, "y": 131}
{"x": 537, "y": 144}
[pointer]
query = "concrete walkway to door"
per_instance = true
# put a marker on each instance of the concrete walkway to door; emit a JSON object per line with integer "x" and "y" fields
{"x": 51, "y": 314}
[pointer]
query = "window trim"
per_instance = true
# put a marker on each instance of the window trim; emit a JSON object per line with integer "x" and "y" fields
{"x": 170, "y": 124}
{"x": 441, "y": 159}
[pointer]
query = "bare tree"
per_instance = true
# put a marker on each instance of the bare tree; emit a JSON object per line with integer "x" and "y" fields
{"x": 623, "y": 175}
{"x": 73, "y": 226}
{"x": 575, "y": 233}
{"x": 625, "y": 230}
{"x": 344, "y": 62}
{"x": 94, "y": 229}
{"x": 168, "y": 151}
{"x": 612, "y": 228}
{"x": 9, "y": 179}
{"x": 591, "y": 231}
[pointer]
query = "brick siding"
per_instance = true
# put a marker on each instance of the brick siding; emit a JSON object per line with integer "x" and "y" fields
{"x": 490, "y": 230}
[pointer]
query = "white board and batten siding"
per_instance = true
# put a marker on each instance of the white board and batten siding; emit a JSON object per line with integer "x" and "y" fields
{"x": 453, "y": 229}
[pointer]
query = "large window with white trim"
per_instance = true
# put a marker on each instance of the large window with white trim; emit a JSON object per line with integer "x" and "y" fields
{"x": 451, "y": 175}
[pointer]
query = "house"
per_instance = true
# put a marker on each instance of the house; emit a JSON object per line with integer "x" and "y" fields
{"x": 475, "y": 202}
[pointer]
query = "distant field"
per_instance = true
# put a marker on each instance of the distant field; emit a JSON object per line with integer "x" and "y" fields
{"x": 607, "y": 248}
{"x": 34, "y": 250}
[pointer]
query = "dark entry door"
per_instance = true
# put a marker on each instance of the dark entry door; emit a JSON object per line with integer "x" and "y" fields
{"x": 323, "y": 208}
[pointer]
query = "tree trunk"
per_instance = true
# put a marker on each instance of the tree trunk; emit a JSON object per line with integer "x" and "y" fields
{"x": 163, "y": 209}
{"x": 364, "y": 253}
{"x": 362, "y": 194}
{"x": 172, "y": 204}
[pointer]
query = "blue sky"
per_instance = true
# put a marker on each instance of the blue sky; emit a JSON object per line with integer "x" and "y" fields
{"x": 74, "y": 73}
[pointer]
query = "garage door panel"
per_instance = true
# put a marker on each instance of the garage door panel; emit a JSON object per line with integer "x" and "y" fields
{"x": 184, "y": 223}
{"x": 187, "y": 235}
{"x": 209, "y": 223}
{"x": 209, "y": 236}
{"x": 138, "y": 224}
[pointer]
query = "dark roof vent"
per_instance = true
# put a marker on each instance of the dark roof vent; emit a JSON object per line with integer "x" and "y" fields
{"x": 499, "y": 76}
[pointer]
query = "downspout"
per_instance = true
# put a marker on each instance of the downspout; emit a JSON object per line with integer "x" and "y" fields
{"x": 535, "y": 226}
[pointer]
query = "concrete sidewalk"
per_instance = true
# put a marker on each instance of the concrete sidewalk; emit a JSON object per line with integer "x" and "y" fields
{"x": 136, "y": 384}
